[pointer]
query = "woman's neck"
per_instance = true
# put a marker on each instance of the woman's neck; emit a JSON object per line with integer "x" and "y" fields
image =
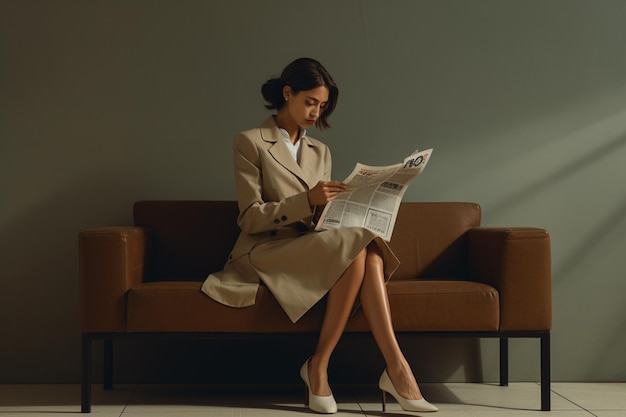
{"x": 289, "y": 125}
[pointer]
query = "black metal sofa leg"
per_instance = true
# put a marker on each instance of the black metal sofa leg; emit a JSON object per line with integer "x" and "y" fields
{"x": 545, "y": 372}
{"x": 504, "y": 361}
{"x": 108, "y": 364}
{"x": 545, "y": 367}
{"x": 85, "y": 396}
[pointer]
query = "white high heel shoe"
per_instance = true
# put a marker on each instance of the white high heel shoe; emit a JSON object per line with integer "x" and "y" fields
{"x": 386, "y": 386}
{"x": 317, "y": 403}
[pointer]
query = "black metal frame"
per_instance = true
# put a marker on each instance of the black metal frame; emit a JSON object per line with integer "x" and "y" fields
{"x": 108, "y": 338}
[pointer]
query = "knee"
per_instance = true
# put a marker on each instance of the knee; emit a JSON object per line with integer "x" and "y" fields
{"x": 369, "y": 257}
{"x": 360, "y": 259}
{"x": 358, "y": 263}
{"x": 373, "y": 256}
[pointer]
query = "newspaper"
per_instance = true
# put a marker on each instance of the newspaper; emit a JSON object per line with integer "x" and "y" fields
{"x": 373, "y": 196}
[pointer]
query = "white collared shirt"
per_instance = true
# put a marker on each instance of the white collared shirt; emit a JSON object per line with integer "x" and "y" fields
{"x": 293, "y": 148}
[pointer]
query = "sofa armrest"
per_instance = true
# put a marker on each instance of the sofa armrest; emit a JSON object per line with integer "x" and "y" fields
{"x": 517, "y": 262}
{"x": 111, "y": 260}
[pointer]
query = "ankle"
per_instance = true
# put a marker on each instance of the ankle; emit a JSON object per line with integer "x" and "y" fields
{"x": 398, "y": 368}
{"x": 404, "y": 382}
{"x": 319, "y": 361}
{"x": 318, "y": 377}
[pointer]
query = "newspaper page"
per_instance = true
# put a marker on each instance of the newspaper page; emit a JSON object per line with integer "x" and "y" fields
{"x": 373, "y": 196}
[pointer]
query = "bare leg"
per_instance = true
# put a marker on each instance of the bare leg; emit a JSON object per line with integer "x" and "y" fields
{"x": 375, "y": 304}
{"x": 341, "y": 298}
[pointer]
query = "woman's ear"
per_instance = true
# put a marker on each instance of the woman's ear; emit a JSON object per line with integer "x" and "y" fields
{"x": 287, "y": 92}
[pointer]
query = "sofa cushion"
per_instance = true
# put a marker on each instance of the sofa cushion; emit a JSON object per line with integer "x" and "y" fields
{"x": 188, "y": 239}
{"x": 179, "y": 306}
{"x": 430, "y": 239}
{"x": 440, "y": 305}
{"x": 191, "y": 239}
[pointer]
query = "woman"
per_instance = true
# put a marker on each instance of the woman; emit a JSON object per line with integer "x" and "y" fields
{"x": 283, "y": 182}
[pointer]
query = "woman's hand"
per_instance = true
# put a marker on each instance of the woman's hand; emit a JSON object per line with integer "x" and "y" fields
{"x": 325, "y": 191}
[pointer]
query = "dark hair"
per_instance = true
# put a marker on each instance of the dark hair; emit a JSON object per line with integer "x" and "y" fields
{"x": 301, "y": 75}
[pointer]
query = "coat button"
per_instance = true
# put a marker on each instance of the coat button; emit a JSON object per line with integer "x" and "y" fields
{"x": 284, "y": 218}
{"x": 273, "y": 233}
{"x": 276, "y": 221}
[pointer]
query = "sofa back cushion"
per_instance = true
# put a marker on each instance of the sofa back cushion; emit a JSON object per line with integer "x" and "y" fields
{"x": 430, "y": 239}
{"x": 191, "y": 239}
{"x": 188, "y": 239}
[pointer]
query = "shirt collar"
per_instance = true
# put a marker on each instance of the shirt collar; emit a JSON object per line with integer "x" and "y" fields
{"x": 288, "y": 138}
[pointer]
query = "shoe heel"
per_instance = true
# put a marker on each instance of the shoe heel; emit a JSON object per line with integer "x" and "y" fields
{"x": 384, "y": 395}
{"x": 306, "y": 396}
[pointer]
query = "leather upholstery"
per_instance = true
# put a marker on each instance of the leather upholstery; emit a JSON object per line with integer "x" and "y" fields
{"x": 454, "y": 275}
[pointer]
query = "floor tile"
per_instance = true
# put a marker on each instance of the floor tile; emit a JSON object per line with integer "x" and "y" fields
{"x": 60, "y": 399}
{"x": 245, "y": 401}
{"x": 594, "y": 396}
{"x": 453, "y": 400}
{"x": 471, "y": 397}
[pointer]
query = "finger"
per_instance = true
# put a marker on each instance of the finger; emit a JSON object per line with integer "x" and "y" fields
{"x": 337, "y": 184}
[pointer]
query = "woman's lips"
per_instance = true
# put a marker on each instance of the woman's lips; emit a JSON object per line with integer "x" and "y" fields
{"x": 310, "y": 121}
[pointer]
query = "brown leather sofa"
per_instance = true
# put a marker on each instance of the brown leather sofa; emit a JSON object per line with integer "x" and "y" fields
{"x": 456, "y": 278}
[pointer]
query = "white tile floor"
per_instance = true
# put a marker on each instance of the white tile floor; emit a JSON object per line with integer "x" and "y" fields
{"x": 453, "y": 399}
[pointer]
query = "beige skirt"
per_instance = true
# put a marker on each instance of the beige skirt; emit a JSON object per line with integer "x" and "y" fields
{"x": 300, "y": 270}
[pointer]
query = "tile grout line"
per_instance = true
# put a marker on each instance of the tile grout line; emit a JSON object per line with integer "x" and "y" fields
{"x": 130, "y": 397}
{"x": 572, "y": 402}
{"x": 354, "y": 398}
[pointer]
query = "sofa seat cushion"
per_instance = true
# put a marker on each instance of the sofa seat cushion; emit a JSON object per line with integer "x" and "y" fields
{"x": 180, "y": 306}
{"x": 441, "y": 305}
{"x": 445, "y": 306}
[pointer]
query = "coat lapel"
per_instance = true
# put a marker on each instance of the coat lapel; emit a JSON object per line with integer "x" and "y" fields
{"x": 282, "y": 155}
{"x": 312, "y": 165}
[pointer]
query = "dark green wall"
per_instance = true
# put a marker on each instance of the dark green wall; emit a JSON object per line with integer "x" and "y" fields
{"x": 103, "y": 103}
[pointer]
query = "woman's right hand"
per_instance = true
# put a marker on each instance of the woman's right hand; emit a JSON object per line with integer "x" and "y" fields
{"x": 325, "y": 191}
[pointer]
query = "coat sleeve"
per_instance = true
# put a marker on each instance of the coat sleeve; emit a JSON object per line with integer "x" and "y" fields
{"x": 255, "y": 214}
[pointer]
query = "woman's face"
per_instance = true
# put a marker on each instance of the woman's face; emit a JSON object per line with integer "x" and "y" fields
{"x": 305, "y": 107}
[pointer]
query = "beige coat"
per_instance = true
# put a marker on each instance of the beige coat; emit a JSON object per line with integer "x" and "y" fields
{"x": 277, "y": 244}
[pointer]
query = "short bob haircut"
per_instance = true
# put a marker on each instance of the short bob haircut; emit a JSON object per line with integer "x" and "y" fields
{"x": 301, "y": 75}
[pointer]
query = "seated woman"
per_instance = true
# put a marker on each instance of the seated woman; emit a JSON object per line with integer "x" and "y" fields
{"x": 283, "y": 180}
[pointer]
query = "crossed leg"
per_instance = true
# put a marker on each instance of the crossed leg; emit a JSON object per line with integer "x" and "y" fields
{"x": 339, "y": 305}
{"x": 365, "y": 275}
